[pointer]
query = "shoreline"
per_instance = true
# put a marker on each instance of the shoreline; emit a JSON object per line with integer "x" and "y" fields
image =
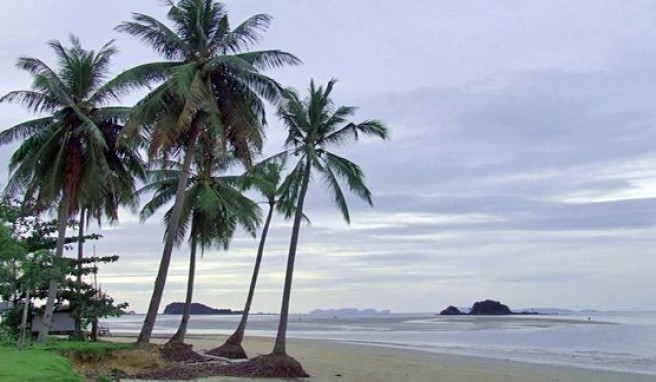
{"x": 355, "y": 362}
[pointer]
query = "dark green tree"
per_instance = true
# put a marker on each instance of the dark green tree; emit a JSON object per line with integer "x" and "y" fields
{"x": 28, "y": 263}
{"x": 12, "y": 253}
{"x": 85, "y": 300}
{"x": 69, "y": 159}
{"x": 36, "y": 270}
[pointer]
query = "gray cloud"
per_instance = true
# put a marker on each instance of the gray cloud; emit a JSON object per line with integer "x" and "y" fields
{"x": 520, "y": 166}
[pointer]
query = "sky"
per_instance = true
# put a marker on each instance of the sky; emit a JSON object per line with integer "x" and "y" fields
{"x": 520, "y": 166}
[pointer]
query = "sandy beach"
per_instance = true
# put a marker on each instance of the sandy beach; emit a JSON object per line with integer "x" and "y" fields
{"x": 328, "y": 361}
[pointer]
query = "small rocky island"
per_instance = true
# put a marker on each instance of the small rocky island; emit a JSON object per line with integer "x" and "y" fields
{"x": 197, "y": 308}
{"x": 482, "y": 308}
{"x": 451, "y": 311}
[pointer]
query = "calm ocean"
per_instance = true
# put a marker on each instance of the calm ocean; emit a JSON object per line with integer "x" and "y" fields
{"x": 624, "y": 341}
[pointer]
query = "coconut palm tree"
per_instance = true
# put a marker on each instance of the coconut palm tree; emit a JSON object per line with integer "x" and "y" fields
{"x": 69, "y": 157}
{"x": 315, "y": 126}
{"x": 213, "y": 209}
{"x": 265, "y": 178}
{"x": 209, "y": 77}
{"x": 126, "y": 164}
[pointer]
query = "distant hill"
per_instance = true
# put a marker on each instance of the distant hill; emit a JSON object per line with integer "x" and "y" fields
{"x": 197, "y": 308}
{"x": 348, "y": 312}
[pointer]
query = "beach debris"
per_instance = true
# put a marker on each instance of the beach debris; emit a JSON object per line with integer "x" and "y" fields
{"x": 182, "y": 372}
{"x": 180, "y": 352}
{"x": 228, "y": 350}
{"x": 266, "y": 366}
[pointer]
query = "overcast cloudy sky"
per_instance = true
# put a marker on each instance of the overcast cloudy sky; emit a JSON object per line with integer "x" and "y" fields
{"x": 521, "y": 165}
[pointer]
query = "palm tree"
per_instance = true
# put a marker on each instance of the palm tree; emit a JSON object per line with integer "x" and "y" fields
{"x": 315, "y": 125}
{"x": 212, "y": 210}
{"x": 126, "y": 165}
{"x": 209, "y": 78}
{"x": 265, "y": 178}
{"x": 70, "y": 157}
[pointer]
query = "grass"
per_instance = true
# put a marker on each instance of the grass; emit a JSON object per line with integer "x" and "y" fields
{"x": 54, "y": 343}
{"x": 35, "y": 365}
{"x": 90, "y": 347}
{"x": 43, "y": 362}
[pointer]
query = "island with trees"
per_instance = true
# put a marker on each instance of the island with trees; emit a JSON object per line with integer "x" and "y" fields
{"x": 482, "y": 308}
{"x": 197, "y": 308}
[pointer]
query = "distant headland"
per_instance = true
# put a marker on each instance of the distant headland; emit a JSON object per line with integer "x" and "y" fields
{"x": 348, "y": 312}
{"x": 197, "y": 308}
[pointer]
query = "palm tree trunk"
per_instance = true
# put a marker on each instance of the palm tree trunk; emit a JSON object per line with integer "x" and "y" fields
{"x": 182, "y": 329}
{"x": 238, "y": 336}
{"x": 54, "y": 285}
{"x": 23, "y": 326}
{"x": 281, "y": 337}
{"x": 80, "y": 256}
{"x": 14, "y": 293}
{"x": 160, "y": 281}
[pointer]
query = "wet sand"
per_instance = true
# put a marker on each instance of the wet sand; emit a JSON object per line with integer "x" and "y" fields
{"x": 329, "y": 361}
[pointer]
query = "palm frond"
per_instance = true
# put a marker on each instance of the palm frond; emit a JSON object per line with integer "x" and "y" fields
{"x": 157, "y": 35}
{"x": 290, "y": 189}
{"x": 352, "y": 132}
{"x": 338, "y": 195}
{"x": 244, "y": 35}
{"x": 25, "y": 129}
{"x": 195, "y": 97}
{"x": 113, "y": 113}
{"x": 35, "y": 102}
{"x": 46, "y": 81}
{"x": 133, "y": 79}
{"x": 269, "y": 59}
{"x": 351, "y": 173}
{"x": 102, "y": 62}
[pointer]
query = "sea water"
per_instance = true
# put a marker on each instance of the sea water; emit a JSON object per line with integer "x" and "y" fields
{"x": 623, "y": 341}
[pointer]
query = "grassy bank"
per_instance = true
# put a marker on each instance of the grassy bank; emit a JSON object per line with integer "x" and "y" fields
{"x": 48, "y": 362}
{"x": 35, "y": 365}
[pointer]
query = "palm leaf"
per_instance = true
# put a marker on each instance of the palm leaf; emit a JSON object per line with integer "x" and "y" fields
{"x": 25, "y": 129}
{"x": 269, "y": 59}
{"x": 351, "y": 173}
{"x": 133, "y": 79}
{"x": 334, "y": 188}
{"x": 245, "y": 34}
{"x": 157, "y": 35}
{"x": 35, "y": 102}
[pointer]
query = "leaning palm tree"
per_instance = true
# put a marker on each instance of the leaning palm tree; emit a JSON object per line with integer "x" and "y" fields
{"x": 69, "y": 157}
{"x": 265, "y": 178}
{"x": 210, "y": 77}
{"x": 315, "y": 126}
{"x": 213, "y": 209}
